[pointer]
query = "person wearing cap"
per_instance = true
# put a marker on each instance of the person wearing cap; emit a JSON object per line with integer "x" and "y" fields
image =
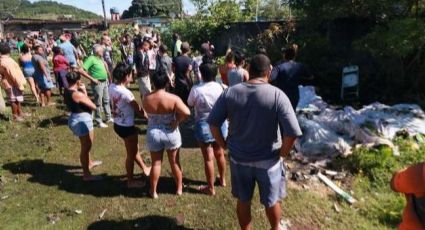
{"x": 255, "y": 110}
{"x": 96, "y": 70}
{"x": 69, "y": 51}
{"x": 182, "y": 69}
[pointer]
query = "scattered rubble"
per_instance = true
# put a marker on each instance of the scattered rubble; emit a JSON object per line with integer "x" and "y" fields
{"x": 337, "y": 189}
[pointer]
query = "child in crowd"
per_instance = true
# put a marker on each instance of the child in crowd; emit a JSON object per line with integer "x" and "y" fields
{"x": 203, "y": 98}
{"x": 13, "y": 81}
{"x": 124, "y": 106}
{"x": 60, "y": 68}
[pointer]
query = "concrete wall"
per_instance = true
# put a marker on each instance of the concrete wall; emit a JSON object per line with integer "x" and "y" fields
{"x": 19, "y": 28}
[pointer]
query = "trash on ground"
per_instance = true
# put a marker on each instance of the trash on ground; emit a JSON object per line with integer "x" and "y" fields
{"x": 53, "y": 218}
{"x": 329, "y": 132}
{"x": 338, "y": 190}
{"x": 102, "y": 214}
{"x": 331, "y": 173}
{"x": 337, "y": 209}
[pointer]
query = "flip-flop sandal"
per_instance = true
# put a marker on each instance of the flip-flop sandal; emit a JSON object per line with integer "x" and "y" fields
{"x": 93, "y": 178}
{"x": 95, "y": 164}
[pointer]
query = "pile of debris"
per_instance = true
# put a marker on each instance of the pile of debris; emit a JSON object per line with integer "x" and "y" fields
{"x": 330, "y": 131}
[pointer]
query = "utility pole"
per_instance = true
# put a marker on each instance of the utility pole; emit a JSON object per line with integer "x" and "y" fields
{"x": 105, "y": 23}
{"x": 256, "y": 10}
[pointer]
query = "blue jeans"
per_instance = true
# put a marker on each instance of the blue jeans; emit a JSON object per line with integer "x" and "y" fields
{"x": 101, "y": 100}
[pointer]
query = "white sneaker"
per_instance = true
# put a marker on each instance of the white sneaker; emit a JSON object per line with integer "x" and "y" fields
{"x": 111, "y": 120}
{"x": 102, "y": 125}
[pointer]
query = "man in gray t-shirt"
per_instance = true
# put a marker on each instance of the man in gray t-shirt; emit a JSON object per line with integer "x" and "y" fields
{"x": 255, "y": 110}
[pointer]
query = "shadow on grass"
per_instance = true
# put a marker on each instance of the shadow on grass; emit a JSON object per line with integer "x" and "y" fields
{"x": 69, "y": 178}
{"x": 147, "y": 223}
{"x": 53, "y": 121}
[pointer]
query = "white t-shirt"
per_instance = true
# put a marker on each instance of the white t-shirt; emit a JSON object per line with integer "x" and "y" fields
{"x": 203, "y": 97}
{"x": 122, "y": 111}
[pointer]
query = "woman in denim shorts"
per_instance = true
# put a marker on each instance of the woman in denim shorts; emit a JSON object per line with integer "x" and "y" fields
{"x": 28, "y": 70}
{"x": 165, "y": 112}
{"x": 203, "y": 98}
{"x": 80, "y": 121}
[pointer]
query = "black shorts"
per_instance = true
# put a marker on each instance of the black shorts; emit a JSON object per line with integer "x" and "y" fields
{"x": 124, "y": 132}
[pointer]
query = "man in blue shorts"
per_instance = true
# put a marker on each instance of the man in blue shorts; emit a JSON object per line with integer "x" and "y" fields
{"x": 255, "y": 110}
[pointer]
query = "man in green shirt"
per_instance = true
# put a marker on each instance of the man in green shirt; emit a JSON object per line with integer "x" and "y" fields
{"x": 20, "y": 44}
{"x": 97, "y": 71}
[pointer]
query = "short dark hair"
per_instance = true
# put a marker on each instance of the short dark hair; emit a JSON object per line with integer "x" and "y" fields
{"x": 25, "y": 49}
{"x": 262, "y": 50}
{"x": 205, "y": 48}
{"x": 121, "y": 71}
{"x": 176, "y": 36}
{"x": 160, "y": 79}
{"x": 208, "y": 71}
{"x": 163, "y": 48}
{"x": 72, "y": 77}
{"x": 37, "y": 47}
{"x": 4, "y": 48}
{"x": 56, "y": 50}
{"x": 289, "y": 53}
{"x": 185, "y": 48}
{"x": 208, "y": 58}
{"x": 239, "y": 58}
{"x": 260, "y": 63}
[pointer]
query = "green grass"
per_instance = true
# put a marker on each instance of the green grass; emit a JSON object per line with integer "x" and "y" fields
{"x": 40, "y": 177}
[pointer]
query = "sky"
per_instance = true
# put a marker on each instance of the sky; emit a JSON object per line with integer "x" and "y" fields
{"x": 96, "y": 5}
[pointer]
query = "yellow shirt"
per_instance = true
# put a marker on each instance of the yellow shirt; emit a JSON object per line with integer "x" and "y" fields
{"x": 11, "y": 72}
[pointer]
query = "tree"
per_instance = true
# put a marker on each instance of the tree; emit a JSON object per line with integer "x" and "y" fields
{"x": 153, "y": 8}
{"x": 200, "y": 5}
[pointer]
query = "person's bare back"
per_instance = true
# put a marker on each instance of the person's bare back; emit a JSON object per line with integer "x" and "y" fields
{"x": 160, "y": 102}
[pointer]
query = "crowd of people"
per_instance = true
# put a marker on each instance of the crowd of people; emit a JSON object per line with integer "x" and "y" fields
{"x": 243, "y": 112}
